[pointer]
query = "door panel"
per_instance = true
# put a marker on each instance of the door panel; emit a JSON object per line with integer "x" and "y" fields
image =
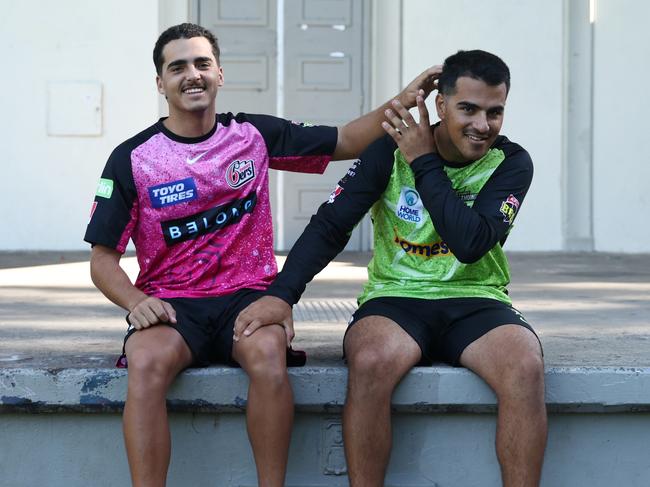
{"x": 323, "y": 75}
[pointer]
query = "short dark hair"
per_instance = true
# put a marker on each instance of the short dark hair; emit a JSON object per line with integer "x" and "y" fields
{"x": 182, "y": 31}
{"x": 477, "y": 64}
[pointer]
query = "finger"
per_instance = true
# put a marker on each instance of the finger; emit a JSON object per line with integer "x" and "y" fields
{"x": 146, "y": 314}
{"x": 135, "y": 321}
{"x": 405, "y": 116}
{"x": 252, "y": 327}
{"x": 240, "y": 325}
{"x": 139, "y": 321}
{"x": 424, "y": 113}
{"x": 159, "y": 311}
{"x": 397, "y": 123}
{"x": 171, "y": 312}
{"x": 390, "y": 130}
{"x": 288, "y": 329}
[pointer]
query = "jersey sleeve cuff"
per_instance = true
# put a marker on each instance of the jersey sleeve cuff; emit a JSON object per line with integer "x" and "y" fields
{"x": 284, "y": 294}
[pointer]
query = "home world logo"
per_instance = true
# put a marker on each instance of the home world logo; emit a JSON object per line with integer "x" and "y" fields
{"x": 409, "y": 207}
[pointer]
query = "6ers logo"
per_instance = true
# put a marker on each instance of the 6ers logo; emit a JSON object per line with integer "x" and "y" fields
{"x": 240, "y": 172}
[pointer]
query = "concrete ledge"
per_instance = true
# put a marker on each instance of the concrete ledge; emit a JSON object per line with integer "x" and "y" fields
{"x": 321, "y": 390}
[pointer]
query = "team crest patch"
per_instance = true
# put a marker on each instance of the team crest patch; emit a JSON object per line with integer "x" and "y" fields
{"x": 240, "y": 172}
{"x": 410, "y": 207}
{"x": 509, "y": 209}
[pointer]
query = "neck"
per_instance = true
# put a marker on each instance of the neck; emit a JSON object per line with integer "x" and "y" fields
{"x": 191, "y": 124}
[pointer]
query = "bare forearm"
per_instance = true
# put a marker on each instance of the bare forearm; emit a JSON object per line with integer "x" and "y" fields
{"x": 356, "y": 135}
{"x": 113, "y": 282}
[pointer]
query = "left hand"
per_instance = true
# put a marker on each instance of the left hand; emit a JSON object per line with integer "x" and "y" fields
{"x": 413, "y": 139}
{"x": 422, "y": 86}
{"x": 268, "y": 310}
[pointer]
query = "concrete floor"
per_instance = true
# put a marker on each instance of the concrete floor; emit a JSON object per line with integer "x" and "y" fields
{"x": 589, "y": 309}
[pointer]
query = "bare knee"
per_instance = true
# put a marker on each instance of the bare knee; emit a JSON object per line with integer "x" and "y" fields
{"x": 522, "y": 377}
{"x": 374, "y": 369}
{"x": 263, "y": 355}
{"x": 151, "y": 371}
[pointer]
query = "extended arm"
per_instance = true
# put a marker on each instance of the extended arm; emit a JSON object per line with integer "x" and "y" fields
{"x": 112, "y": 281}
{"x": 356, "y": 135}
{"x": 324, "y": 237}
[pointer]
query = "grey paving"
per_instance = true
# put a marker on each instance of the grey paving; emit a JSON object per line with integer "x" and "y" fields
{"x": 589, "y": 309}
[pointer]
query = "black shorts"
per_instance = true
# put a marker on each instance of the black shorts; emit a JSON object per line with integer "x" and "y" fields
{"x": 443, "y": 328}
{"x": 207, "y": 324}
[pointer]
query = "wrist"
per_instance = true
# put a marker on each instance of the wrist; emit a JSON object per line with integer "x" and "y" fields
{"x": 134, "y": 301}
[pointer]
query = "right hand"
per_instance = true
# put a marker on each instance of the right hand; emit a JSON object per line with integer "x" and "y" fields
{"x": 267, "y": 310}
{"x": 151, "y": 311}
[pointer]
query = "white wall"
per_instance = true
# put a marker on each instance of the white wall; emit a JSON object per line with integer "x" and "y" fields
{"x": 49, "y": 182}
{"x": 622, "y": 126}
{"x": 528, "y": 36}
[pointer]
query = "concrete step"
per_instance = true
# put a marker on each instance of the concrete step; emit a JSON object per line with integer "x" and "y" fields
{"x": 443, "y": 428}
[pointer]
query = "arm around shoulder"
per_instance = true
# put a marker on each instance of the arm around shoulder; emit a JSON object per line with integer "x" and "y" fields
{"x": 356, "y": 135}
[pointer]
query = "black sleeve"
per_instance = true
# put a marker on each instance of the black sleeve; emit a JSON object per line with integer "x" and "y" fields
{"x": 329, "y": 229}
{"x": 294, "y": 146}
{"x": 470, "y": 232}
{"x": 112, "y": 218}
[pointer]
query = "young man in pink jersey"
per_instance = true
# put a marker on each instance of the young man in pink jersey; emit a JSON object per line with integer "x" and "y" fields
{"x": 192, "y": 193}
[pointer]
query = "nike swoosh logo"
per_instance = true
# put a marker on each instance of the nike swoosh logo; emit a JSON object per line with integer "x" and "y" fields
{"x": 195, "y": 159}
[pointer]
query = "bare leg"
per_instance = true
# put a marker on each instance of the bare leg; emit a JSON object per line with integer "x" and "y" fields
{"x": 509, "y": 359}
{"x": 156, "y": 356}
{"x": 379, "y": 353}
{"x": 269, "y": 412}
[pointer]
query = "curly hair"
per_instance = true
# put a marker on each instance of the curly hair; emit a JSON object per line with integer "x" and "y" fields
{"x": 182, "y": 31}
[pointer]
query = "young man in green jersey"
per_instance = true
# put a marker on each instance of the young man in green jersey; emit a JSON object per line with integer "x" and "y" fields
{"x": 443, "y": 199}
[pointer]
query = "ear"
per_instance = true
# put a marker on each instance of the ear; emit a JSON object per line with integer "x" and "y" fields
{"x": 159, "y": 85}
{"x": 220, "y": 77}
{"x": 441, "y": 106}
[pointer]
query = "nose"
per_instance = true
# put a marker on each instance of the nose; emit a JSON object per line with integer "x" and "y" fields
{"x": 480, "y": 123}
{"x": 192, "y": 72}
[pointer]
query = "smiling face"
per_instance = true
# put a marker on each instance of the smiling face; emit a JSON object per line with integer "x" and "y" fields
{"x": 190, "y": 76}
{"x": 470, "y": 119}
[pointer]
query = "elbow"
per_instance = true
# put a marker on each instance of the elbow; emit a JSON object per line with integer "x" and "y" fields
{"x": 467, "y": 256}
{"x": 470, "y": 254}
{"x": 94, "y": 272}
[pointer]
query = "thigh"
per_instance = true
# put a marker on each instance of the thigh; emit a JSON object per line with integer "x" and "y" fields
{"x": 471, "y": 319}
{"x": 380, "y": 343}
{"x": 222, "y": 343}
{"x": 508, "y": 354}
{"x": 394, "y": 324}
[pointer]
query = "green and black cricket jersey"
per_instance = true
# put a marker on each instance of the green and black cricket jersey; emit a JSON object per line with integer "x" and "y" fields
{"x": 439, "y": 228}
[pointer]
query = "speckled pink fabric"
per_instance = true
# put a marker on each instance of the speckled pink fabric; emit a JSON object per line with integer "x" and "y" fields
{"x": 239, "y": 255}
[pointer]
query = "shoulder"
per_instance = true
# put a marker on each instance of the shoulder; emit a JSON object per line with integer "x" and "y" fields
{"x": 381, "y": 150}
{"x": 514, "y": 153}
{"x": 378, "y": 158}
{"x": 123, "y": 150}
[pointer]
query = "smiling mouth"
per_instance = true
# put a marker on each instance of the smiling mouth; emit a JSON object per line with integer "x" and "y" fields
{"x": 476, "y": 138}
{"x": 194, "y": 90}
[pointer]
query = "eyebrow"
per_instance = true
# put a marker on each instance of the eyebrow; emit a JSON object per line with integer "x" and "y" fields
{"x": 475, "y": 106}
{"x": 183, "y": 62}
